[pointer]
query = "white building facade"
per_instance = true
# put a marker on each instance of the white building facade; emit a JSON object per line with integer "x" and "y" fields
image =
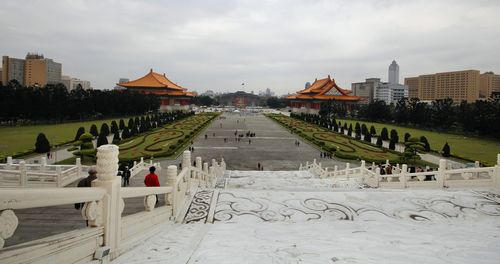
{"x": 390, "y": 92}
{"x": 74, "y": 83}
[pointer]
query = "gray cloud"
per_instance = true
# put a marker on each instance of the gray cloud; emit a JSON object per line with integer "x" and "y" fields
{"x": 277, "y": 44}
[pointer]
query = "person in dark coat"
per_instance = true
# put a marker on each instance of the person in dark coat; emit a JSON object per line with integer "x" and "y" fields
{"x": 86, "y": 182}
{"x": 126, "y": 176}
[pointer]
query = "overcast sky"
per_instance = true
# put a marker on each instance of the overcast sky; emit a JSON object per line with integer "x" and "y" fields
{"x": 219, "y": 45}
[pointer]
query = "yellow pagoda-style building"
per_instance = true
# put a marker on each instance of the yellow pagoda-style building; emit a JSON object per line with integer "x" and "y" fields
{"x": 321, "y": 91}
{"x": 172, "y": 96}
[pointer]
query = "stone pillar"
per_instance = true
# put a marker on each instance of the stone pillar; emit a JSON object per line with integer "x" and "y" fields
{"x": 214, "y": 163}
{"x": 78, "y": 164}
{"x": 107, "y": 168}
{"x": 205, "y": 167}
{"x": 43, "y": 163}
{"x": 223, "y": 164}
{"x": 386, "y": 162}
{"x": 496, "y": 174}
{"x": 441, "y": 173}
{"x": 9, "y": 163}
{"x": 402, "y": 176}
{"x": 186, "y": 159}
{"x": 171, "y": 182}
{"x": 24, "y": 173}
{"x": 476, "y": 164}
{"x": 59, "y": 176}
{"x": 362, "y": 170}
{"x": 199, "y": 166}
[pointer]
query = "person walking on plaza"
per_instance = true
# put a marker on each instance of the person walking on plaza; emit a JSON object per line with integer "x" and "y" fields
{"x": 151, "y": 180}
{"x": 126, "y": 176}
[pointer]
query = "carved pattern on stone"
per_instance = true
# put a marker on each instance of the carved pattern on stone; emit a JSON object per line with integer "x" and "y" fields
{"x": 199, "y": 207}
{"x": 107, "y": 162}
{"x": 93, "y": 213}
{"x": 231, "y": 206}
{"x": 150, "y": 202}
{"x": 8, "y": 225}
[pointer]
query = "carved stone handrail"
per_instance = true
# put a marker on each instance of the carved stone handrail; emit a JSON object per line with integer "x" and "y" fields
{"x": 15, "y": 198}
{"x": 130, "y": 192}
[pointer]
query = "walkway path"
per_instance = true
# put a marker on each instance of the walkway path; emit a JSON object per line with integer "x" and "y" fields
{"x": 273, "y": 147}
{"x": 292, "y": 217}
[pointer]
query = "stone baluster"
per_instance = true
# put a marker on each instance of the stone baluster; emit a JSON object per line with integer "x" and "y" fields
{"x": 59, "y": 176}
{"x": 24, "y": 174}
{"x": 107, "y": 169}
{"x": 347, "y": 168}
{"x": 186, "y": 159}
{"x": 386, "y": 162}
{"x": 199, "y": 165}
{"x": 9, "y": 163}
{"x": 43, "y": 164}
{"x": 335, "y": 169}
{"x": 142, "y": 161}
{"x": 441, "y": 173}
{"x": 476, "y": 164}
{"x": 377, "y": 177}
{"x": 362, "y": 169}
{"x": 223, "y": 164}
{"x": 78, "y": 164}
{"x": 402, "y": 176}
{"x": 170, "y": 199}
{"x": 496, "y": 173}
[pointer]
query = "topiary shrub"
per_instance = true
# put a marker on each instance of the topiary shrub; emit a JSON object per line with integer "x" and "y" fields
{"x": 446, "y": 150}
{"x": 93, "y": 130}
{"x": 42, "y": 144}
{"x": 80, "y": 132}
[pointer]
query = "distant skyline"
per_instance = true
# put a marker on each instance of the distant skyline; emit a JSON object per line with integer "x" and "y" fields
{"x": 281, "y": 45}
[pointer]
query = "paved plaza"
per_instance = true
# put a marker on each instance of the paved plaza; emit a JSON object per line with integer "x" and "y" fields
{"x": 272, "y": 146}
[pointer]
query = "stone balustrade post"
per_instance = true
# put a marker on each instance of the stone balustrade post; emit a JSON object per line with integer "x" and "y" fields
{"x": 347, "y": 167}
{"x": 476, "y": 164}
{"x": 214, "y": 163}
{"x": 142, "y": 160}
{"x": 24, "y": 174}
{"x": 199, "y": 166}
{"x": 441, "y": 173}
{"x": 314, "y": 161}
{"x": 319, "y": 165}
{"x": 386, "y": 162}
{"x": 171, "y": 182}
{"x": 135, "y": 163}
{"x": 43, "y": 164}
{"x": 402, "y": 176}
{"x": 9, "y": 163}
{"x": 205, "y": 167}
{"x": 496, "y": 174}
{"x": 59, "y": 176}
{"x": 377, "y": 173}
{"x": 107, "y": 169}
{"x": 78, "y": 164}
{"x": 223, "y": 164}
{"x": 186, "y": 159}
{"x": 373, "y": 165}
{"x": 362, "y": 169}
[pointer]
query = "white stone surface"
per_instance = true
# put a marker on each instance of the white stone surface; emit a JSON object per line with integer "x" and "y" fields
{"x": 266, "y": 220}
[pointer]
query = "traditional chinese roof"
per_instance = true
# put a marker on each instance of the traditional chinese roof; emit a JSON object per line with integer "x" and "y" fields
{"x": 324, "y": 89}
{"x": 157, "y": 84}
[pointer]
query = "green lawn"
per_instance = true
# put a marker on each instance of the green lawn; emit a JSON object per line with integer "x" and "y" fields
{"x": 22, "y": 138}
{"x": 472, "y": 148}
{"x": 345, "y": 147}
{"x": 167, "y": 140}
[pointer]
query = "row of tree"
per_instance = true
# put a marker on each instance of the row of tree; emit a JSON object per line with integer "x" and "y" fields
{"x": 120, "y": 131}
{"x": 53, "y": 103}
{"x": 412, "y": 144}
{"x": 271, "y": 102}
{"x": 481, "y": 117}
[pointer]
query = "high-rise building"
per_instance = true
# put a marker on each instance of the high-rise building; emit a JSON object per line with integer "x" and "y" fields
{"x": 412, "y": 84}
{"x": 394, "y": 72}
{"x": 489, "y": 83}
{"x": 12, "y": 69}
{"x": 40, "y": 71}
{"x": 365, "y": 90}
{"x": 457, "y": 85}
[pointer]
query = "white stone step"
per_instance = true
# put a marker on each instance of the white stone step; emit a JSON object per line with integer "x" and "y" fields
{"x": 277, "y": 180}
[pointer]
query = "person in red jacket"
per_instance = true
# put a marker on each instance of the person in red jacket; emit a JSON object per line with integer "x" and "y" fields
{"x": 151, "y": 179}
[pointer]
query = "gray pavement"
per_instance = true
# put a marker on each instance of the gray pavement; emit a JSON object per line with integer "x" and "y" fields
{"x": 273, "y": 146}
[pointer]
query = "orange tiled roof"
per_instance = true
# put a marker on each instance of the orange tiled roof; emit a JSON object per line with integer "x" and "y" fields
{"x": 152, "y": 80}
{"x": 319, "y": 90}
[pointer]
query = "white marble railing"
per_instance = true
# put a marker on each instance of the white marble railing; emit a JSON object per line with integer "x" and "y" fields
{"x": 44, "y": 175}
{"x": 402, "y": 178}
{"x": 39, "y": 175}
{"x": 104, "y": 205}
